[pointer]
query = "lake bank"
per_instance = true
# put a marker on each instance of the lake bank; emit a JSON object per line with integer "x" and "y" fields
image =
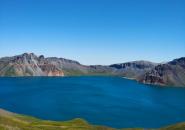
{"x": 11, "y": 121}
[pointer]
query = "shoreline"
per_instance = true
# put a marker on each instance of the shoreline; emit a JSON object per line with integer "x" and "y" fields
{"x": 129, "y": 78}
{"x": 64, "y": 76}
{"x": 14, "y": 120}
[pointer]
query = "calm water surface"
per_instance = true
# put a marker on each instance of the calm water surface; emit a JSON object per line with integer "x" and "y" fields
{"x": 110, "y": 101}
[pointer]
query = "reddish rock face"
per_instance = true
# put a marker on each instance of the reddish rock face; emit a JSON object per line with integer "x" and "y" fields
{"x": 51, "y": 70}
{"x": 55, "y": 73}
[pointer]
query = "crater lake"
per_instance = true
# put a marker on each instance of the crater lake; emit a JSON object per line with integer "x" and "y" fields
{"x": 109, "y": 101}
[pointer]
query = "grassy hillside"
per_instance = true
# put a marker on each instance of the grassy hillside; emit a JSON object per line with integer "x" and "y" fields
{"x": 12, "y": 121}
{"x": 179, "y": 126}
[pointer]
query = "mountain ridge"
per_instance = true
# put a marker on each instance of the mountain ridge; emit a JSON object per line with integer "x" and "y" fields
{"x": 28, "y": 64}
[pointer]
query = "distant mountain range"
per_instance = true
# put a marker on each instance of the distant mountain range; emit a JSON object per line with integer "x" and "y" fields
{"x": 28, "y": 64}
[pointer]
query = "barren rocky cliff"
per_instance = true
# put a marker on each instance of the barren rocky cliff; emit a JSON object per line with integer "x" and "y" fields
{"x": 28, "y": 65}
{"x": 171, "y": 73}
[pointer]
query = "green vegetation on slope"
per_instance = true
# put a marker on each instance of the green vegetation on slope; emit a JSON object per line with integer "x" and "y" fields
{"x": 179, "y": 126}
{"x": 12, "y": 121}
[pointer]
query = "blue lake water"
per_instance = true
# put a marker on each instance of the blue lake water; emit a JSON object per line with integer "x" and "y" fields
{"x": 110, "y": 101}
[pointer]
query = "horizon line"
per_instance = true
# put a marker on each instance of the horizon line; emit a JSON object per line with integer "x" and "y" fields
{"x": 140, "y": 60}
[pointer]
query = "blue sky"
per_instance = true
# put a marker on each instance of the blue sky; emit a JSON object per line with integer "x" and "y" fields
{"x": 94, "y": 31}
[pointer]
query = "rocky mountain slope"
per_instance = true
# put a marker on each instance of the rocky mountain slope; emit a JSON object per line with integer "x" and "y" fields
{"x": 28, "y": 64}
{"x": 171, "y": 73}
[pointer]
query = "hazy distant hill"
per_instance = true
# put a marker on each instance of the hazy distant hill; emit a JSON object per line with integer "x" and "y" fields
{"x": 133, "y": 69}
{"x": 28, "y": 64}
